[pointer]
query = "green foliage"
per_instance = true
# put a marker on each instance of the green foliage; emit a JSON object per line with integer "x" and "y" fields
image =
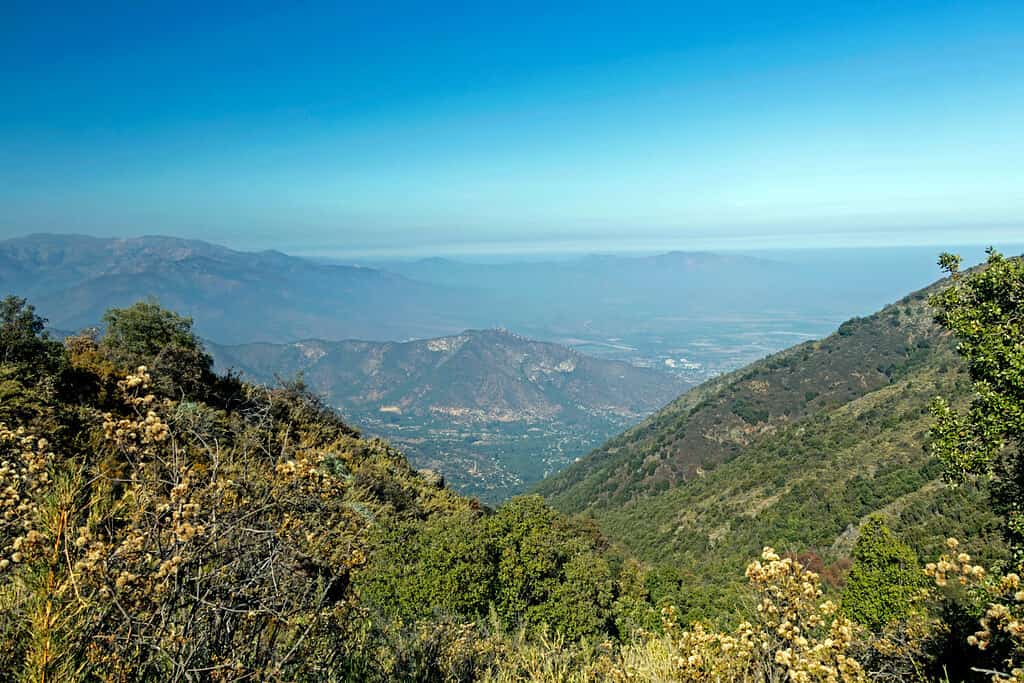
{"x": 24, "y": 342}
{"x": 525, "y": 562}
{"x": 749, "y": 411}
{"x": 144, "y": 334}
{"x": 546, "y": 570}
{"x": 422, "y": 568}
{"x": 984, "y": 308}
{"x": 885, "y": 581}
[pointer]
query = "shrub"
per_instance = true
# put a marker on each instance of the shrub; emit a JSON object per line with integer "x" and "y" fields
{"x": 885, "y": 581}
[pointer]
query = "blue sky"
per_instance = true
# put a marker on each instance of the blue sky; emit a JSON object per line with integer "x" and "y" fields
{"x": 458, "y": 127}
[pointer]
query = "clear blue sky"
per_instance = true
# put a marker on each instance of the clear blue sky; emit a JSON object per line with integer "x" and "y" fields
{"x": 461, "y": 126}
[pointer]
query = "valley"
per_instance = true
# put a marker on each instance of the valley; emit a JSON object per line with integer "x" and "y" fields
{"x": 492, "y": 411}
{"x": 637, "y": 330}
{"x": 700, "y": 349}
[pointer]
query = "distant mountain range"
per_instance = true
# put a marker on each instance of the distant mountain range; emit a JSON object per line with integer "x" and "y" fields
{"x": 665, "y": 293}
{"x": 238, "y": 297}
{"x": 233, "y": 296}
{"x": 609, "y": 296}
{"x": 600, "y": 281}
{"x": 686, "y": 310}
{"x": 490, "y": 409}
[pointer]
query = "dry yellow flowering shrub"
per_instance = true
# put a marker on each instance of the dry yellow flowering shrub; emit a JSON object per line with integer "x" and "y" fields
{"x": 794, "y": 636}
{"x": 139, "y": 433}
{"x": 1003, "y": 595}
{"x": 192, "y": 556}
{"x": 34, "y": 556}
{"x": 24, "y": 478}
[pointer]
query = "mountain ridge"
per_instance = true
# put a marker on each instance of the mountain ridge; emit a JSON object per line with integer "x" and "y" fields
{"x": 484, "y": 404}
{"x": 795, "y": 451}
{"x": 233, "y": 296}
{"x": 726, "y": 424}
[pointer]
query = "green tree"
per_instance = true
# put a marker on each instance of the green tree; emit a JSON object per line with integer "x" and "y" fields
{"x": 31, "y": 364}
{"x": 422, "y": 568}
{"x": 23, "y": 338}
{"x": 549, "y": 571}
{"x": 984, "y": 308}
{"x": 163, "y": 341}
{"x": 535, "y": 567}
{"x": 885, "y": 580}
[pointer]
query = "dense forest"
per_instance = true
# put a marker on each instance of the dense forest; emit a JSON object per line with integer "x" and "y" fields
{"x": 162, "y": 522}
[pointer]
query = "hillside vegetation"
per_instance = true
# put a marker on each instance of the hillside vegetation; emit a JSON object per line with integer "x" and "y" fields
{"x": 796, "y": 451}
{"x": 163, "y": 523}
{"x": 715, "y": 422}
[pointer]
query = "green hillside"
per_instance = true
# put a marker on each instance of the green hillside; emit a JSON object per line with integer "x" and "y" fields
{"x": 794, "y": 451}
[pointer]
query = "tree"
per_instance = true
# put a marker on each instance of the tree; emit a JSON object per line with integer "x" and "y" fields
{"x": 420, "y": 568}
{"x": 549, "y": 574}
{"x": 145, "y": 334}
{"x": 23, "y": 337}
{"x": 984, "y": 308}
{"x": 885, "y": 580}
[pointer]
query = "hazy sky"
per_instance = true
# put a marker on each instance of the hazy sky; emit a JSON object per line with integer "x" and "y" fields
{"x": 357, "y": 126}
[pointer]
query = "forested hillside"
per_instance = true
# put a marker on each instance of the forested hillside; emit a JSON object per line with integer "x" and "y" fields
{"x": 719, "y": 419}
{"x": 795, "y": 451}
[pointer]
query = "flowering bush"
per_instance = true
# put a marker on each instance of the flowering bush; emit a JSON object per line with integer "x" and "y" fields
{"x": 1001, "y": 599}
{"x": 185, "y": 542}
{"x": 794, "y": 635}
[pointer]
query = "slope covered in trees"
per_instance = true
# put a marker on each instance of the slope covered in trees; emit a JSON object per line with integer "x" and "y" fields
{"x": 718, "y": 420}
{"x": 795, "y": 451}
